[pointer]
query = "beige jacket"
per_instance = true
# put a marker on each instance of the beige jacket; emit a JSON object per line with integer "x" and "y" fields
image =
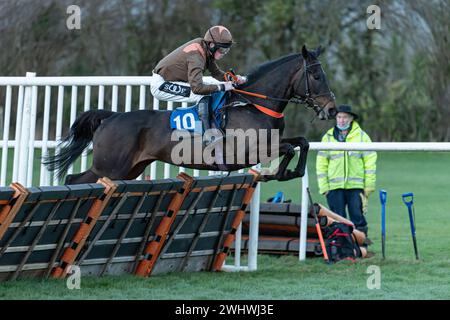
{"x": 187, "y": 63}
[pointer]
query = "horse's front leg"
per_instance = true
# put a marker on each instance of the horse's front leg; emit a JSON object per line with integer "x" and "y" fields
{"x": 287, "y": 151}
{"x": 301, "y": 142}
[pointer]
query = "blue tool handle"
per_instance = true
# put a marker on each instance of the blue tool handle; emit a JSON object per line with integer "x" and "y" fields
{"x": 383, "y": 196}
{"x": 409, "y": 204}
{"x": 406, "y": 195}
{"x": 411, "y": 221}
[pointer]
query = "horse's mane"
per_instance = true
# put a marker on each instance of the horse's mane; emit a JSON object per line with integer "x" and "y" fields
{"x": 268, "y": 66}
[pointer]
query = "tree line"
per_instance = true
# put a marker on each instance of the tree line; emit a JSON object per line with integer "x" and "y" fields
{"x": 396, "y": 78}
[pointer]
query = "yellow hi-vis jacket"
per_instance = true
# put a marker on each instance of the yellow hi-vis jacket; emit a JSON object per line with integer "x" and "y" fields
{"x": 346, "y": 169}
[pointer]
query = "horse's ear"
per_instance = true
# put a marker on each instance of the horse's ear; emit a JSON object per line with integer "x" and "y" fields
{"x": 305, "y": 52}
{"x": 319, "y": 50}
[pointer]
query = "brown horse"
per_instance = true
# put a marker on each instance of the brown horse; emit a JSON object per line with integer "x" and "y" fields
{"x": 125, "y": 143}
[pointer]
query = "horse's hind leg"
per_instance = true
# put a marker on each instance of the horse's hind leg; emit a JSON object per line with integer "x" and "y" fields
{"x": 85, "y": 177}
{"x": 137, "y": 169}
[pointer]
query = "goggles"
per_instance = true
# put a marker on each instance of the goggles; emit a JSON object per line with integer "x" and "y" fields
{"x": 223, "y": 48}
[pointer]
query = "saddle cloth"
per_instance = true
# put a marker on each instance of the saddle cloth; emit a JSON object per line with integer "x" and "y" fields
{"x": 188, "y": 118}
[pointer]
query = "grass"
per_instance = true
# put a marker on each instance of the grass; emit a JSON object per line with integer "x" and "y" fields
{"x": 284, "y": 277}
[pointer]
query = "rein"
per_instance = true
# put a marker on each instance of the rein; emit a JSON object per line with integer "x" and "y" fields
{"x": 308, "y": 100}
{"x": 231, "y": 75}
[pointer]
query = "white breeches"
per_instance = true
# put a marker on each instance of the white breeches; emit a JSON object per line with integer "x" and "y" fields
{"x": 157, "y": 81}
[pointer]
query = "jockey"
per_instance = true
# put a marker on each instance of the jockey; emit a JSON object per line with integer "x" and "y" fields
{"x": 178, "y": 77}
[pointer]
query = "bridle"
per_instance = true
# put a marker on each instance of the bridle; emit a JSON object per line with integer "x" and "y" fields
{"x": 309, "y": 100}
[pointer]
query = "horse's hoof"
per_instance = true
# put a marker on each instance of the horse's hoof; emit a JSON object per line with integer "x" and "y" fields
{"x": 288, "y": 175}
{"x": 266, "y": 178}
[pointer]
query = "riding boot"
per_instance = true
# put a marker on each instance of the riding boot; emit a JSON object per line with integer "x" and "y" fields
{"x": 203, "y": 113}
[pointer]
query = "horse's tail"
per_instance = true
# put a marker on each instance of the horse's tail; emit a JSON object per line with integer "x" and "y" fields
{"x": 79, "y": 137}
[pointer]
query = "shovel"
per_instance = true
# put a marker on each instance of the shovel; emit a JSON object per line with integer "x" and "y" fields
{"x": 383, "y": 198}
{"x": 408, "y": 199}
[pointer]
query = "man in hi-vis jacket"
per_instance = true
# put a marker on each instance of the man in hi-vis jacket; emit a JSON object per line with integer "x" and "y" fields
{"x": 347, "y": 178}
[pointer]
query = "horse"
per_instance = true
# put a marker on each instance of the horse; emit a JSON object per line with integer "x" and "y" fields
{"x": 125, "y": 143}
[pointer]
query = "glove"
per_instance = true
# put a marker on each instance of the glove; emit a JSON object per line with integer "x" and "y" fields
{"x": 241, "y": 79}
{"x": 226, "y": 86}
{"x": 368, "y": 192}
{"x": 364, "y": 202}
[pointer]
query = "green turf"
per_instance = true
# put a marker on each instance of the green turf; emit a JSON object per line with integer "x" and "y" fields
{"x": 425, "y": 174}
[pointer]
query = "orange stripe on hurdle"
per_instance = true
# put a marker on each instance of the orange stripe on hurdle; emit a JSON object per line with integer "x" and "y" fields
{"x": 85, "y": 229}
{"x": 153, "y": 249}
{"x": 9, "y": 211}
{"x": 221, "y": 256}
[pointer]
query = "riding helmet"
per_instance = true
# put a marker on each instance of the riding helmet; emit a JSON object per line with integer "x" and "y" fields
{"x": 219, "y": 35}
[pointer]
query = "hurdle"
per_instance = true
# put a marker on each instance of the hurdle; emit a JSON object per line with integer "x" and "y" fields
{"x": 117, "y": 227}
{"x": 42, "y": 227}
